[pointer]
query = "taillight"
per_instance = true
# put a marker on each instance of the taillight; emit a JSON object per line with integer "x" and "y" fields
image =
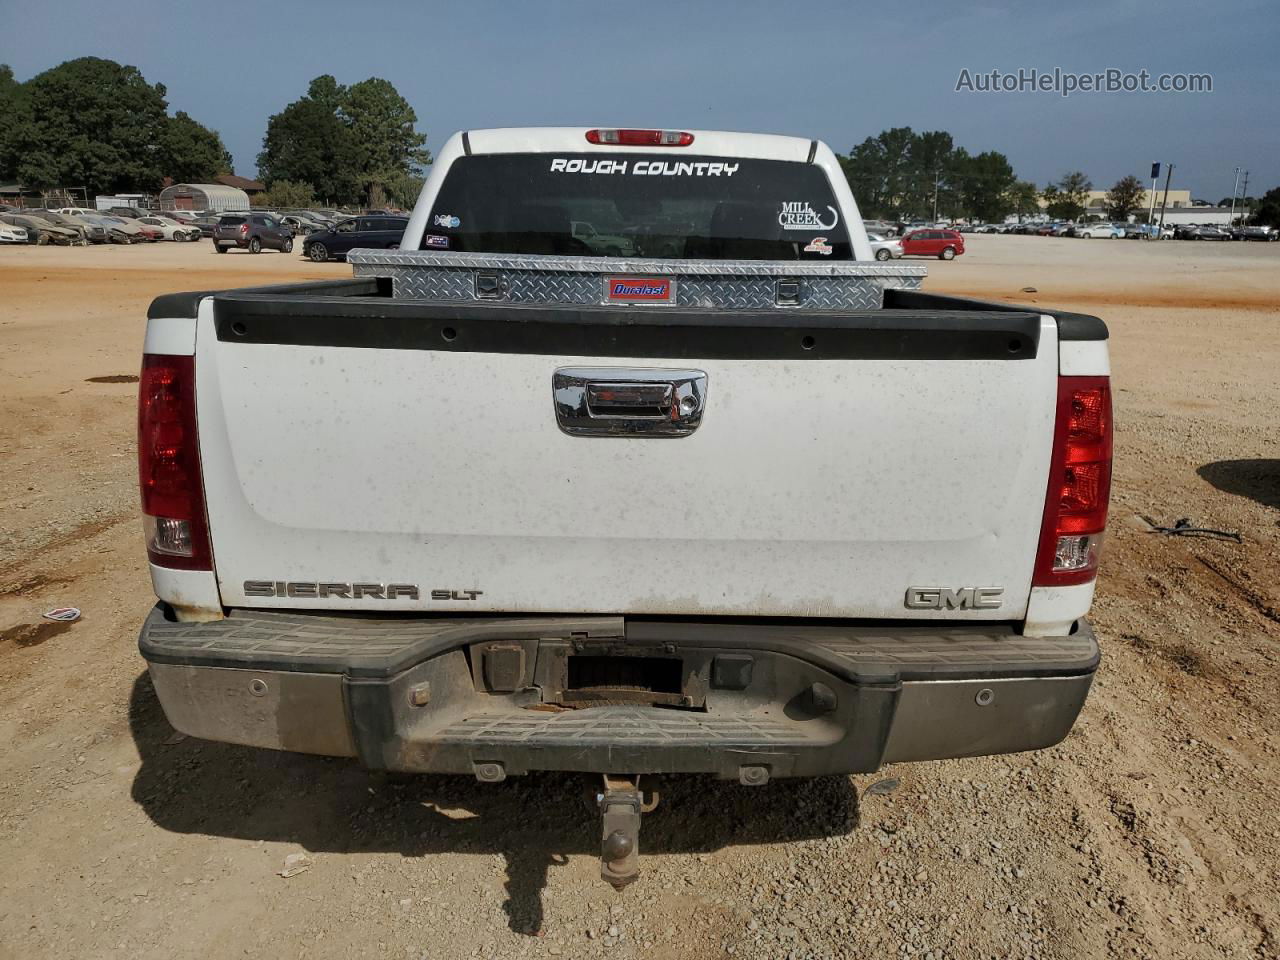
{"x": 169, "y": 464}
{"x": 640, "y": 138}
{"x": 244, "y": 228}
{"x": 1075, "y": 510}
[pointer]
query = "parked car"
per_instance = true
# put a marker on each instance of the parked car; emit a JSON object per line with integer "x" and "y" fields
{"x": 378, "y": 232}
{"x": 601, "y": 244}
{"x": 117, "y": 230}
{"x": 182, "y": 216}
{"x": 11, "y": 233}
{"x": 146, "y": 231}
{"x": 301, "y": 226}
{"x": 205, "y": 225}
{"x": 89, "y": 233}
{"x": 128, "y": 213}
{"x": 171, "y": 229}
{"x": 41, "y": 232}
{"x": 253, "y": 232}
{"x": 1261, "y": 233}
{"x": 882, "y": 228}
{"x": 884, "y": 247}
{"x": 1095, "y": 230}
{"x": 943, "y": 244}
{"x": 1209, "y": 231}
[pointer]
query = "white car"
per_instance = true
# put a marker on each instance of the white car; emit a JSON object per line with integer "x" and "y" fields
{"x": 1095, "y": 230}
{"x": 883, "y": 247}
{"x": 12, "y": 233}
{"x": 172, "y": 229}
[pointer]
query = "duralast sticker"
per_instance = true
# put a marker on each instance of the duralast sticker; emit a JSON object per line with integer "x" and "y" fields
{"x": 639, "y": 290}
{"x": 445, "y": 220}
{"x": 799, "y": 215}
{"x": 645, "y": 168}
{"x": 436, "y": 241}
{"x": 818, "y": 245}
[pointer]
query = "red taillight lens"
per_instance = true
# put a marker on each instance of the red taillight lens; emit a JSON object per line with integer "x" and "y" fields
{"x": 244, "y": 228}
{"x": 169, "y": 464}
{"x": 640, "y": 138}
{"x": 1075, "y": 510}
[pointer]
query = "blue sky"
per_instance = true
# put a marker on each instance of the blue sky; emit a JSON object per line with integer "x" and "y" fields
{"x": 837, "y": 71}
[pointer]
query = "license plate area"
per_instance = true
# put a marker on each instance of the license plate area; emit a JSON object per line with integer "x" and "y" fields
{"x": 587, "y": 673}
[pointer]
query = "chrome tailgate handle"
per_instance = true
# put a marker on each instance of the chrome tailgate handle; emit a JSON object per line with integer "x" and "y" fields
{"x": 628, "y": 401}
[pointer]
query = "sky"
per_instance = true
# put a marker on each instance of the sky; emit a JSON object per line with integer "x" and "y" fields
{"x": 836, "y": 71}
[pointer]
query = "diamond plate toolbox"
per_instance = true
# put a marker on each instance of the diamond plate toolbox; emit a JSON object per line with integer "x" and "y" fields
{"x": 579, "y": 281}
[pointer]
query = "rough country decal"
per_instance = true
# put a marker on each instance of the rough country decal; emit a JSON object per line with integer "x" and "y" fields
{"x": 312, "y": 590}
{"x": 800, "y": 216}
{"x": 645, "y": 168}
{"x": 639, "y": 290}
{"x": 445, "y": 220}
{"x": 818, "y": 245}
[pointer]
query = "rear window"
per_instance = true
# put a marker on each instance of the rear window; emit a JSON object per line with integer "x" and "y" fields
{"x": 638, "y": 204}
{"x": 231, "y": 221}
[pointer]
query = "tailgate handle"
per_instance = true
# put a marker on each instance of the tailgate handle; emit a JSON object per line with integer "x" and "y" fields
{"x": 628, "y": 401}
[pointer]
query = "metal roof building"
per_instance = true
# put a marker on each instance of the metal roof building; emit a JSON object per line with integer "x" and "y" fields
{"x": 203, "y": 196}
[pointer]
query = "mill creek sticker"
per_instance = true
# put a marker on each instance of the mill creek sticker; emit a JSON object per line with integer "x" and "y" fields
{"x": 798, "y": 215}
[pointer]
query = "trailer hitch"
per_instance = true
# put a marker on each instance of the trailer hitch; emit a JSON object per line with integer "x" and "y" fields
{"x": 621, "y": 802}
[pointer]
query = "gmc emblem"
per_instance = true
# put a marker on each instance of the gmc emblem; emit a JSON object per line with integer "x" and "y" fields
{"x": 961, "y": 598}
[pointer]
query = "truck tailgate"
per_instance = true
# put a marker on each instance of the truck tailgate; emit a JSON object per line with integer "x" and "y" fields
{"x": 841, "y": 458}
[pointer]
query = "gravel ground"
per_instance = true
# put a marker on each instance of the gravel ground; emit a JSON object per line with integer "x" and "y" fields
{"x": 1152, "y": 831}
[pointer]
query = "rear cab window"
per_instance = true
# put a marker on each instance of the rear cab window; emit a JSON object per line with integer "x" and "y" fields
{"x": 638, "y": 204}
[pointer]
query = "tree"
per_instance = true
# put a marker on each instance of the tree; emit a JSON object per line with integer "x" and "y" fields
{"x": 98, "y": 124}
{"x": 350, "y": 142}
{"x": 1124, "y": 198}
{"x": 984, "y": 184}
{"x": 286, "y": 195}
{"x": 190, "y": 152}
{"x": 1267, "y": 211}
{"x": 902, "y": 173}
{"x": 95, "y": 123}
{"x": 1066, "y": 199}
{"x": 1024, "y": 198}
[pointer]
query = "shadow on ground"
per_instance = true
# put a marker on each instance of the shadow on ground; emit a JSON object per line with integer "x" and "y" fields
{"x": 1256, "y": 479}
{"x": 534, "y": 822}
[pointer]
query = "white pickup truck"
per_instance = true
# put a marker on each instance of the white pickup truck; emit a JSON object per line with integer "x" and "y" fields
{"x": 739, "y": 501}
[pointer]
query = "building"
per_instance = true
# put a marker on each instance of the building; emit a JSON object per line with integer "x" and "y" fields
{"x": 203, "y": 196}
{"x": 240, "y": 183}
{"x": 1097, "y": 202}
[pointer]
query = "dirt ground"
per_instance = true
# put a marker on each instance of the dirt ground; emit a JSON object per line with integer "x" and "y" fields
{"x": 1152, "y": 831}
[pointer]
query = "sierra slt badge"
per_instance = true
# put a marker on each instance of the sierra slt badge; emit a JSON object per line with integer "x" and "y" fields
{"x": 961, "y": 598}
{"x": 639, "y": 290}
{"x": 316, "y": 590}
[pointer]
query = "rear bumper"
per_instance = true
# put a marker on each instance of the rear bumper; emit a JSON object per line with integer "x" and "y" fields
{"x": 485, "y": 695}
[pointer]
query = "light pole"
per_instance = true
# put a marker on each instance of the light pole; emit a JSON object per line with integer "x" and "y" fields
{"x": 1235, "y": 186}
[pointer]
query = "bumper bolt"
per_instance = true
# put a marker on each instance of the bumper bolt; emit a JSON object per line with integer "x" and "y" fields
{"x": 258, "y": 687}
{"x": 985, "y": 696}
{"x": 420, "y": 695}
{"x": 753, "y": 776}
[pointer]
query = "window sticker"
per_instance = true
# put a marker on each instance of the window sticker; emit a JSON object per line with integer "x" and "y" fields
{"x": 799, "y": 215}
{"x": 445, "y": 220}
{"x": 436, "y": 241}
{"x": 818, "y": 245}
{"x": 645, "y": 168}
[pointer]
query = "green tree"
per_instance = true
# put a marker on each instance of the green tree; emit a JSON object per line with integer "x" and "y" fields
{"x": 1024, "y": 198}
{"x": 1267, "y": 210}
{"x": 984, "y": 184}
{"x": 349, "y": 142}
{"x": 15, "y": 122}
{"x": 94, "y": 123}
{"x": 190, "y": 152}
{"x": 287, "y": 195}
{"x": 1066, "y": 199}
{"x": 1124, "y": 198}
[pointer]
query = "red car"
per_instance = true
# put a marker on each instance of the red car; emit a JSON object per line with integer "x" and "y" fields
{"x": 943, "y": 244}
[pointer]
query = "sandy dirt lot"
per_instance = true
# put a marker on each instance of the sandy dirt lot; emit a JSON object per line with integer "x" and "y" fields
{"x": 1152, "y": 831}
